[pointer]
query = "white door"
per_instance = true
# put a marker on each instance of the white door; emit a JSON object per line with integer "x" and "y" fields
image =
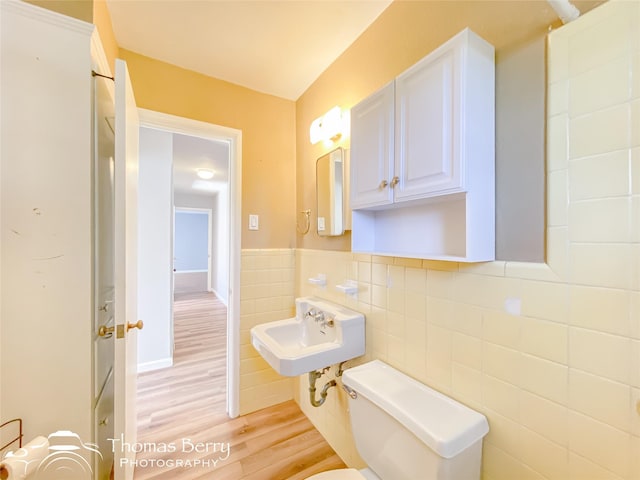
{"x": 126, "y": 272}
{"x": 425, "y": 163}
{"x": 372, "y": 150}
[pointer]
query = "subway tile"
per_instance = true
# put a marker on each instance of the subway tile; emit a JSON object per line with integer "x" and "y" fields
{"x": 544, "y": 456}
{"x": 501, "y": 397}
{"x": 605, "y": 40}
{"x": 379, "y": 274}
{"x": 547, "y": 418}
{"x": 634, "y": 310}
{"x": 502, "y": 363}
{"x": 601, "y": 265}
{"x": 486, "y": 291}
{"x": 416, "y": 361}
{"x": 581, "y": 468}
{"x": 548, "y": 340}
{"x": 395, "y": 300}
{"x": 635, "y": 219}
{"x": 599, "y": 176}
{"x": 604, "y": 445}
{"x": 599, "y": 132}
{"x": 557, "y": 138}
{"x": 557, "y": 98}
{"x": 467, "y": 350}
{"x": 558, "y": 252}
{"x": 635, "y": 412}
{"x": 544, "y": 378}
{"x": 546, "y": 300}
{"x": 439, "y": 354}
{"x": 532, "y": 271}
{"x": 635, "y": 363}
{"x": 635, "y": 76}
{"x": 610, "y": 80}
{"x": 408, "y": 262}
{"x": 600, "y": 221}
{"x": 496, "y": 268}
{"x": 440, "y": 265}
{"x": 440, "y": 312}
{"x": 441, "y": 284}
{"x": 558, "y": 57}
{"x": 396, "y": 352}
{"x": 600, "y": 353}
{"x": 466, "y": 382}
{"x": 465, "y": 319}
{"x": 499, "y": 465}
{"x": 379, "y": 296}
{"x": 415, "y": 280}
{"x": 602, "y": 309}
{"x": 396, "y": 324}
{"x": 396, "y": 277}
{"x": 364, "y": 272}
{"x": 635, "y": 123}
{"x": 501, "y": 328}
{"x": 504, "y": 434}
{"x": 557, "y": 201}
{"x": 381, "y": 260}
{"x": 415, "y": 306}
{"x": 600, "y": 398}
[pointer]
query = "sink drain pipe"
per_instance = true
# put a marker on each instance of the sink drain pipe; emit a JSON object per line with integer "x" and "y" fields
{"x": 313, "y": 376}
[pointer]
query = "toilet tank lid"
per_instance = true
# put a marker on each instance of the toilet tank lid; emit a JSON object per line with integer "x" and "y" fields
{"x": 444, "y": 425}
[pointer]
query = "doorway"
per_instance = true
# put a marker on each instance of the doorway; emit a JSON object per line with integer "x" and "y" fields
{"x": 225, "y": 235}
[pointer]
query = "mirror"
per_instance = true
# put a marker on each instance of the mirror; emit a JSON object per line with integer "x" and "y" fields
{"x": 330, "y": 193}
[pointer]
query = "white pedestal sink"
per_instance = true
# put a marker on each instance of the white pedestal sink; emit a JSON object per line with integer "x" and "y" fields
{"x": 321, "y": 334}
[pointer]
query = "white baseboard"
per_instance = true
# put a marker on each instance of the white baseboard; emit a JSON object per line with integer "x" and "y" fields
{"x": 155, "y": 365}
{"x": 212, "y": 290}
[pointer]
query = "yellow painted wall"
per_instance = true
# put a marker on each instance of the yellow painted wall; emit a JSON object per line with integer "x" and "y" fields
{"x": 403, "y": 34}
{"x": 102, "y": 21}
{"x": 268, "y": 135}
{"x": 80, "y": 9}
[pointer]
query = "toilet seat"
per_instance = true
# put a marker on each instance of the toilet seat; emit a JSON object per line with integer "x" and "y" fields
{"x": 340, "y": 474}
{"x": 344, "y": 474}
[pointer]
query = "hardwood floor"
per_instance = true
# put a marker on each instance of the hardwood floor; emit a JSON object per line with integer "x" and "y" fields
{"x": 182, "y": 408}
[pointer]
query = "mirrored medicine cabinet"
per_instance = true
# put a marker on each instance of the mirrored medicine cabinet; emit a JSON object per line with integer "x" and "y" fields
{"x": 330, "y": 191}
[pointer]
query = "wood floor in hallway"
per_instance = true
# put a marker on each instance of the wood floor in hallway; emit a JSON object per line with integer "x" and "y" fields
{"x": 183, "y": 407}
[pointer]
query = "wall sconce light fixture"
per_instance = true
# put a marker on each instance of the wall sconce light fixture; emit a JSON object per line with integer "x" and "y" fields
{"x": 328, "y": 128}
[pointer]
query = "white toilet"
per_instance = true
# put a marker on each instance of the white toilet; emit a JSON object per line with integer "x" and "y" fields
{"x": 405, "y": 430}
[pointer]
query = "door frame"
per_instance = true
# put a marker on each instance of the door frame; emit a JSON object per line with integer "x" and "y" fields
{"x": 186, "y": 126}
{"x": 209, "y": 213}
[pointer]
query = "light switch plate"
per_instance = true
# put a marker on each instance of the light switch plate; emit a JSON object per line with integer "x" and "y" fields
{"x": 253, "y": 222}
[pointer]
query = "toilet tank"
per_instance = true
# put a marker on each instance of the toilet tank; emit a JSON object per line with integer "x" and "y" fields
{"x": 406, "y": 430}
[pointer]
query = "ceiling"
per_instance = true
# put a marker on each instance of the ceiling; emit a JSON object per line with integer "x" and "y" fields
{"x": 241, "y": 41}
{"x": 192, "y": 153}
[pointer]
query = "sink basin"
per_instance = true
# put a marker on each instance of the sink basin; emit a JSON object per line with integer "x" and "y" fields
{"x": 321, "y": 334}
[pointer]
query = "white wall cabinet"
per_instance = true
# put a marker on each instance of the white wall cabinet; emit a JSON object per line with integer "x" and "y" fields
{"x": 422, "y": 166}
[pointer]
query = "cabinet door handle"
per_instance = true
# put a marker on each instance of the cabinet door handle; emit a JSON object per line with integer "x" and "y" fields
{"x": 394, "y": 181}
{"x": 383, "y": 184}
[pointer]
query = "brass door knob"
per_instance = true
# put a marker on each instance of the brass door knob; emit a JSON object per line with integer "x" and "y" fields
{"x": 383, "y": 184}
{"x": 394, "y": 181}
{"x": 105, "y": 331}
{"x": 139, "y": 324}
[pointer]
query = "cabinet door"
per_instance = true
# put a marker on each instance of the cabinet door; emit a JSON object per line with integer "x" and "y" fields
{"x": 372, "y": 149}
{"x": 426, "y": 160}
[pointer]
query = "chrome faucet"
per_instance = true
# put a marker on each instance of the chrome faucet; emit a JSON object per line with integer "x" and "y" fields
{"x": 319, "y": 317}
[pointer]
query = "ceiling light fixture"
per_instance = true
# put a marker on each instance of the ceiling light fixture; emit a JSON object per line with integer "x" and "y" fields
{"x": 204, "y": 173}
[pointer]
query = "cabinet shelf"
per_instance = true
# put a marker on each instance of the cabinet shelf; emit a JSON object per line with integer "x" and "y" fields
{"x": 422, "y": 158}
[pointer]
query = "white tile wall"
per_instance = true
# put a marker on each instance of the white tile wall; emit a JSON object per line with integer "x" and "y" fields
{"x": 267, "y": 284}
